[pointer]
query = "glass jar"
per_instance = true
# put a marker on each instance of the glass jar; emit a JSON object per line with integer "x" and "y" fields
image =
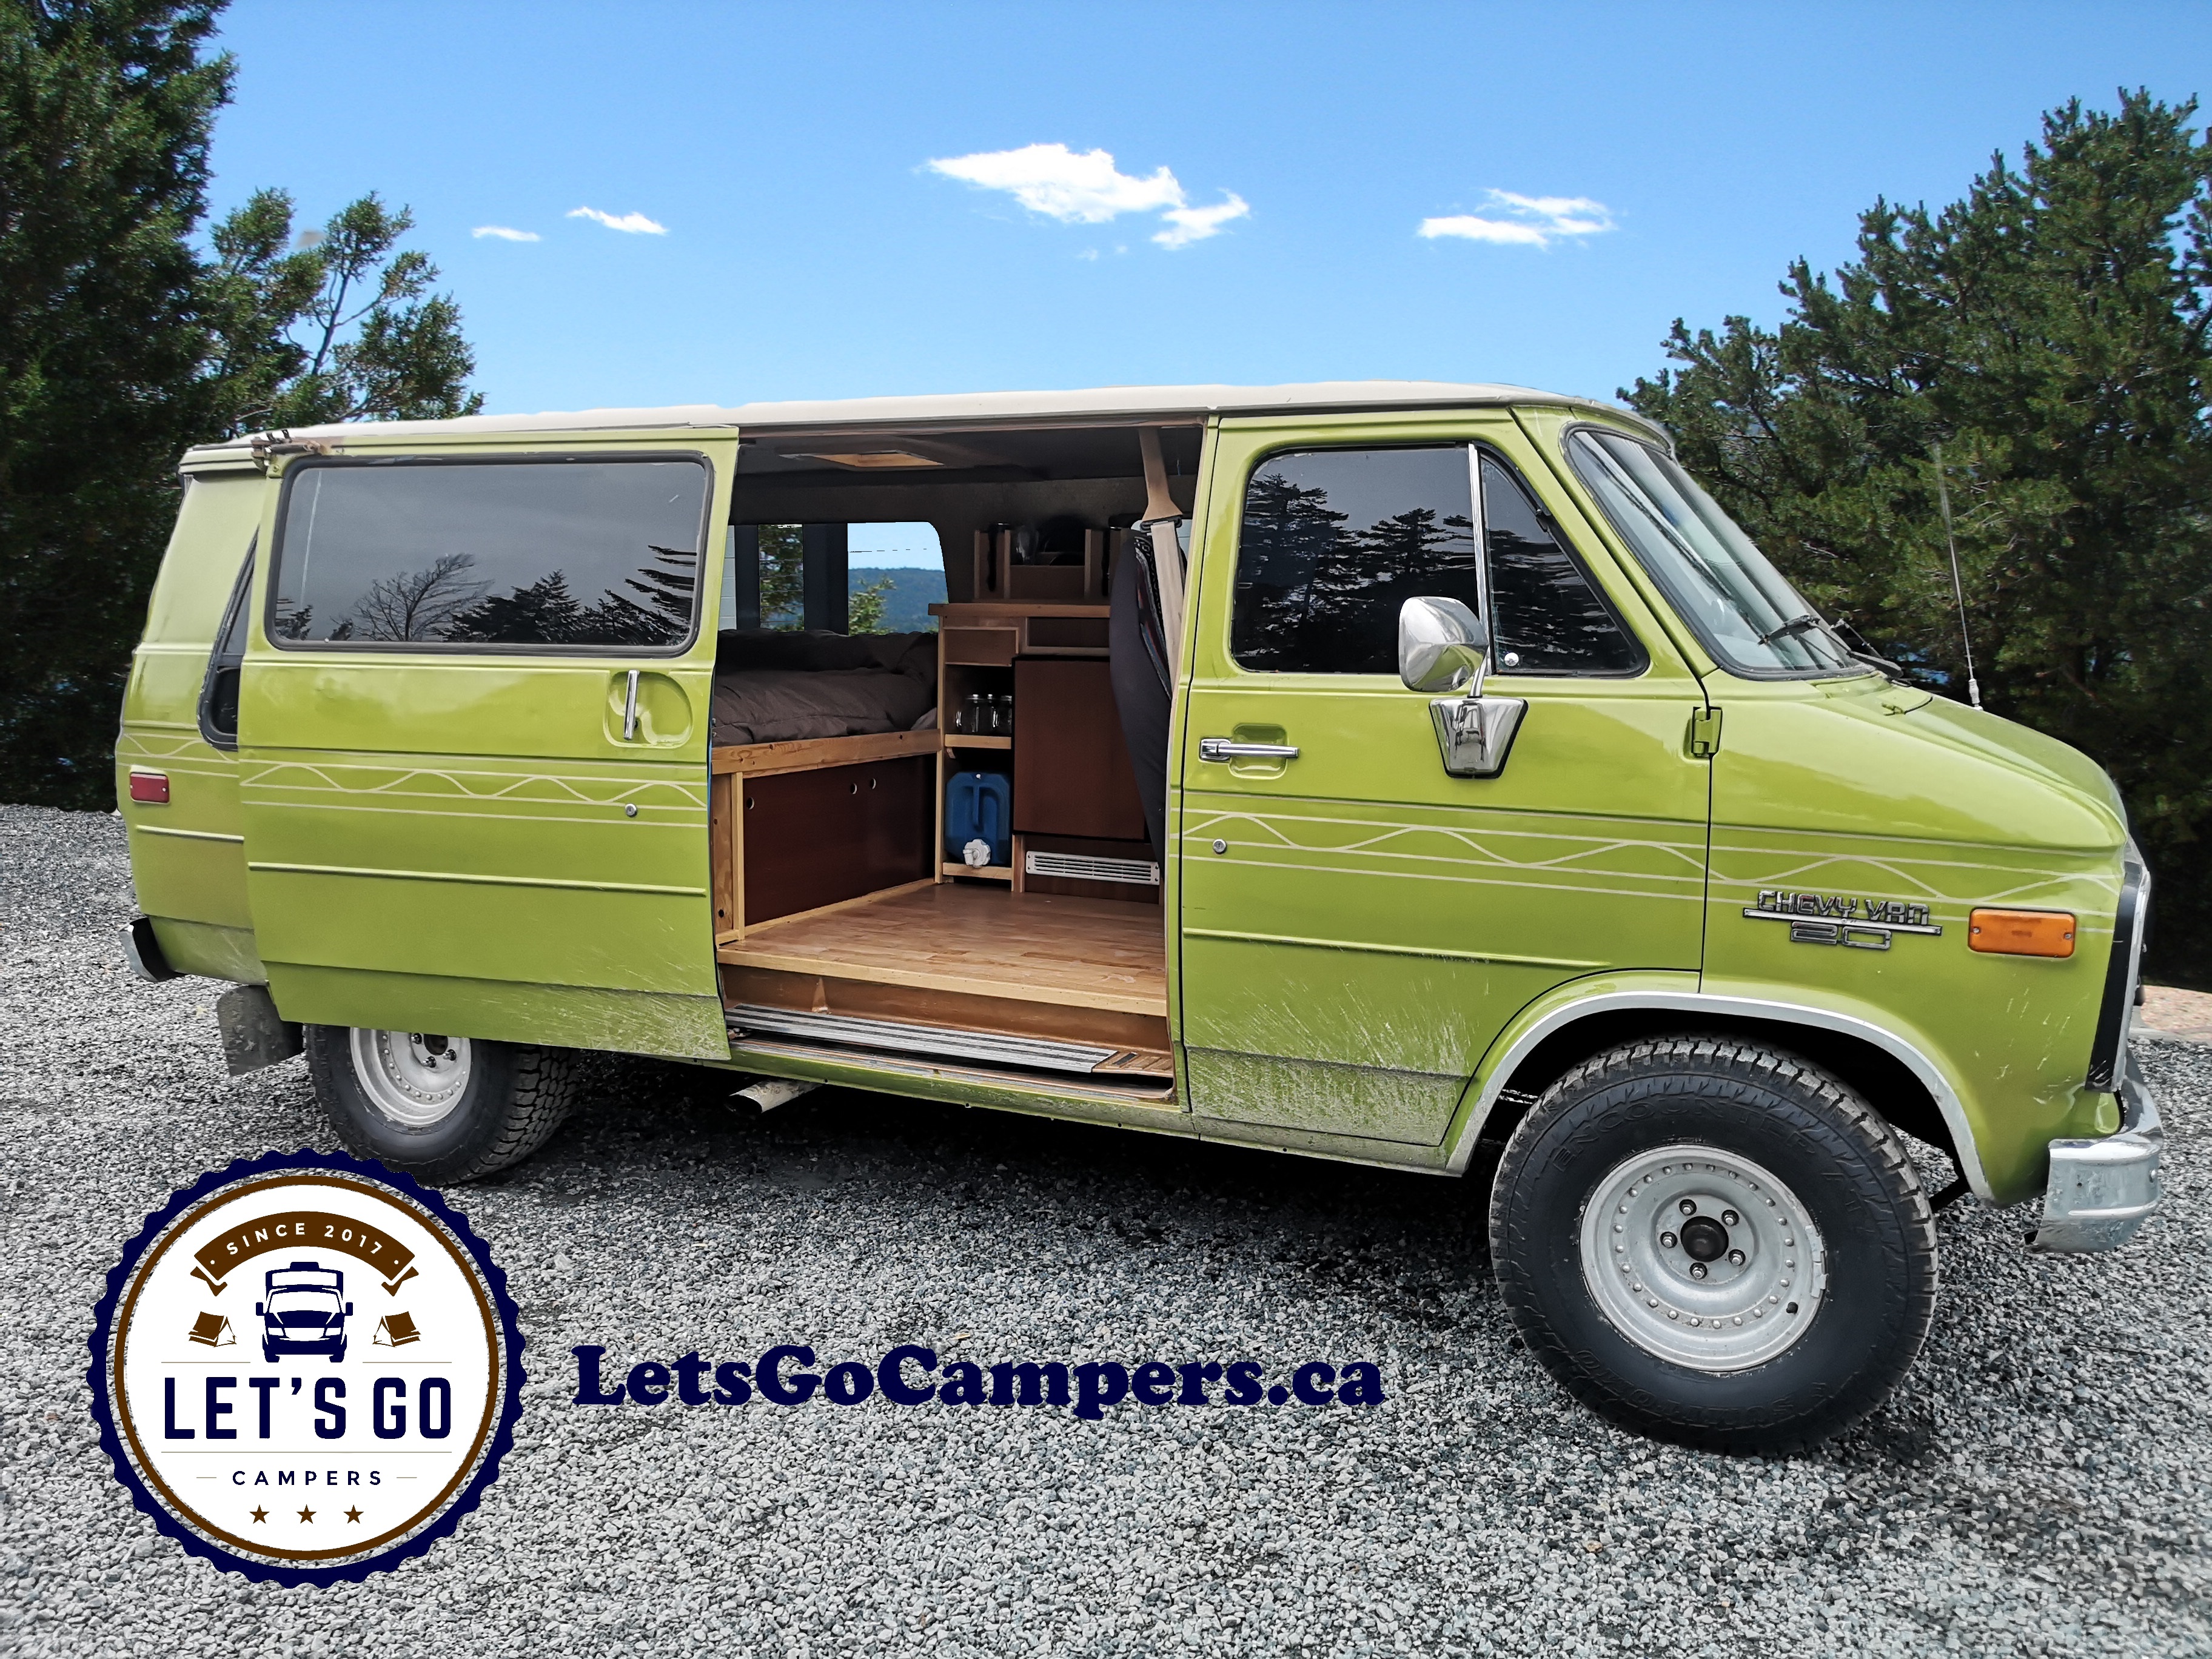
{"x": 968, "y": 720}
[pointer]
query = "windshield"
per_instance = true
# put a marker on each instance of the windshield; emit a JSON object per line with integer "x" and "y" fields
{"x": 295, "y": 1306}
{"x": 1751, "y": 619}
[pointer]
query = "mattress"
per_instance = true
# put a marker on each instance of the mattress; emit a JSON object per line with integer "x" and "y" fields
{"x": 775, "y": 686}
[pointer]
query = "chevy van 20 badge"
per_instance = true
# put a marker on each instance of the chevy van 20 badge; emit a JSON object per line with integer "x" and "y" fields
{"x": 306, "y": 1369}
{"x": 1425, "y": 776}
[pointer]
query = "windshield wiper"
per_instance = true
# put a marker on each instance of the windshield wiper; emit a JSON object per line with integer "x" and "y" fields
{"x": 1795, "y": 625}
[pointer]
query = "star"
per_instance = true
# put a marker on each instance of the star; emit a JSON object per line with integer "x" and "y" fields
{"x": 306, "y": 1515}
{"x": 260, "y": 1514}
{"x": 353, "y": 1515}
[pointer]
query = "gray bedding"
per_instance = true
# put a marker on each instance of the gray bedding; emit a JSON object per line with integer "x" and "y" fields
{"x": 774, "y": 686}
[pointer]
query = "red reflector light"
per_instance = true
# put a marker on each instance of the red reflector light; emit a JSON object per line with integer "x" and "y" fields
{"x": 153, "y": 787}
{"x": 2021, "y": 933}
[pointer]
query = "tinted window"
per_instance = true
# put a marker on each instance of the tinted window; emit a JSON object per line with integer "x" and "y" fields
{"x": 219, "y": 690}
{"x": 1334, "y": 541}
{"x": 1550, "y": 619}
{"x": 546, "y": 553}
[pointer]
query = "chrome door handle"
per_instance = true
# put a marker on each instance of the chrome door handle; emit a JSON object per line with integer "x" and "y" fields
{"x": 629, "y": 709}
{"x": 1227, "y": 749}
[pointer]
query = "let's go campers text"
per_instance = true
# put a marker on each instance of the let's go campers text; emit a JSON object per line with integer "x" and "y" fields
{"x": 911, "y": 1375}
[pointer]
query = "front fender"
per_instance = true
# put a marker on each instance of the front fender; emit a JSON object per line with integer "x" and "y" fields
{"x": 1682, "y": 993}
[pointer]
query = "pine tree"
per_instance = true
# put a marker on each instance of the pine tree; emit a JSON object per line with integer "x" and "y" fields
{"x": 782, "y": 576}
{"x": 332, "y": 326}
{"x": 104, "y": 112}
{"x": 120, "y": 347}
{"x": 2048, "y": 335}
{"x": 864, "y": 609}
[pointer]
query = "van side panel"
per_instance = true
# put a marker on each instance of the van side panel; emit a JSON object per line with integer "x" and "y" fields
{"x": 188, "y": 855}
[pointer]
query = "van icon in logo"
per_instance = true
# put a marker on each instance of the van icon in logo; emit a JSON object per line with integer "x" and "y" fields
{"x": 306, "y": 1312}
{"x": 332, "y": 1457}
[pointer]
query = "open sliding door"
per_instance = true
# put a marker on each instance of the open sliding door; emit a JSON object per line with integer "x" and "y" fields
{"x": 473, "y": 732}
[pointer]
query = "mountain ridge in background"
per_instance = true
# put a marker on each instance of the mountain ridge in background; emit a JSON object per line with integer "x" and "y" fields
{"x": 913, "y": 590}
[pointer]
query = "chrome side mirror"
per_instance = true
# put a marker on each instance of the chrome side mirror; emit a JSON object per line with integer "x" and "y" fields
{"x": 1442, "y": 646}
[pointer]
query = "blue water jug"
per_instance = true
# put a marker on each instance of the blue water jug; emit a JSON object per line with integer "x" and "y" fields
{"x": 979, "y": 806}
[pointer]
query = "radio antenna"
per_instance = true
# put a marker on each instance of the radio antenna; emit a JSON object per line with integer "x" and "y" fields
{"x": 1958, "y": 588}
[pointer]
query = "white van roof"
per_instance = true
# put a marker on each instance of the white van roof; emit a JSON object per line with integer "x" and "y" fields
{"x": 1136, "y": 404}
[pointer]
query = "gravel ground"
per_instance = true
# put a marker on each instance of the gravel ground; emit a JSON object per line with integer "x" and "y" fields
{"x": 2040, "y": 1485}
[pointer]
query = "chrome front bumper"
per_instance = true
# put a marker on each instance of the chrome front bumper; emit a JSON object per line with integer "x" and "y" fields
{"x": 2101, "y": 1192}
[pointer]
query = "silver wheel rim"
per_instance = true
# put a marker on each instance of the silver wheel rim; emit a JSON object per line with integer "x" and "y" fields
{"x": 1765, "y": 1267}
{"x": 417, "y": 1079}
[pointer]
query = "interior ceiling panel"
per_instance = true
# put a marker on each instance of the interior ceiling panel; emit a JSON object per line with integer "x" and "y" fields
{"x": 1004, "y": 454}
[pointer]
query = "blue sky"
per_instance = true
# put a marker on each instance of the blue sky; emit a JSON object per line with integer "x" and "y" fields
{"x": 1666, "y": 161}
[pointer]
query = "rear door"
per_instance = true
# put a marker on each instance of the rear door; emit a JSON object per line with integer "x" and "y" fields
{"x": 473, "y": 741}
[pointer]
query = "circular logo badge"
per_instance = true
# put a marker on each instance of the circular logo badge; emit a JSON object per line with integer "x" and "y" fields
{"x": 306, "y": 1368}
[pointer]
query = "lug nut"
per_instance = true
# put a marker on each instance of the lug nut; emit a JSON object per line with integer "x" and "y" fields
{"x": 1665, "y": 1241}
{"x": 1697, "y": 1270}
{"x": 1735, "y": 1257}
{"x": 1730, "y": 1218}
{"x": 1689, "y": 1207}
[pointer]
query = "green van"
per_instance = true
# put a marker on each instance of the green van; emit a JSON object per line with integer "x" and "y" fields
{"x": 1418, "y": 775}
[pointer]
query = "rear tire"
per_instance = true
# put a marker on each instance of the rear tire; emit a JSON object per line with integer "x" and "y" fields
{"x": 443, "y": 1110}
{"x": 1715, "y": 1243}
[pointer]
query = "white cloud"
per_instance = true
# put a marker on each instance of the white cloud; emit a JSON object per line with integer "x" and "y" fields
{"x": 1470, "y": 228}
{"x": 1526, "y": 220}
{"x": 635, "y": 223}
{"x": 1187, "y": 225}
{"x": 1087, "y": 188}
{"x": 505, "y": 232}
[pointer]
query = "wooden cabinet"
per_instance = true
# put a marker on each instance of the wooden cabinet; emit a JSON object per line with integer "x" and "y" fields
{"x": 1072, "y": 771}
{"x": 819, "y": 837}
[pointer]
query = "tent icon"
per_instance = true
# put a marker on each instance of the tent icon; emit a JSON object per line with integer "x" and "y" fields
{"x": 212, "y": 1330}
{"x": 395, "y": 1330}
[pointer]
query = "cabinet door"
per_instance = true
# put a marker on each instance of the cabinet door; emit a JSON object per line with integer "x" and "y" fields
{"x": 1072, "y": 770}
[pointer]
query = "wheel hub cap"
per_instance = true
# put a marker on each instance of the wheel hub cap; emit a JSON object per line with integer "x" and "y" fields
{"x": 1702, "y": 1257}
{"x": 417, "y": 1079}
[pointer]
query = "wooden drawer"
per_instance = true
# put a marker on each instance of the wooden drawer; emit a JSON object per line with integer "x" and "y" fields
{"x": 1065, "y": 635}
{"x": 980, "y": 648}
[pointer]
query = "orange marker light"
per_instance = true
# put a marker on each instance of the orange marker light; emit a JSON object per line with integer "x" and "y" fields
{"x": 2021, "y": 933}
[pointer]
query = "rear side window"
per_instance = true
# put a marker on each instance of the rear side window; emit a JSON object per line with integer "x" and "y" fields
{"x": 219, "y": 690}
{"x": 1334, "y": 541}
{"x": 593, "y": 554}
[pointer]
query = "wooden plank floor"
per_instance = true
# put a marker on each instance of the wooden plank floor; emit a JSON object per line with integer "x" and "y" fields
{"x": 988, "y": 941}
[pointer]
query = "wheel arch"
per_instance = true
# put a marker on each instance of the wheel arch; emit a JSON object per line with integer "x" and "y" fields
{"x": 1896, "y": 1076}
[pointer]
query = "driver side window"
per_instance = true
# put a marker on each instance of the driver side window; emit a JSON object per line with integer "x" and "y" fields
{"x": 1334, "y": 541}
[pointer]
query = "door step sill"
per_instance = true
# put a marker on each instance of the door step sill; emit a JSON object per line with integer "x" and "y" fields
{"x": 1025, "y": 1054}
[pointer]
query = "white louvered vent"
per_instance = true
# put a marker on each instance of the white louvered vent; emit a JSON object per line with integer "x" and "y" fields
{"x": 1080, "y": 867}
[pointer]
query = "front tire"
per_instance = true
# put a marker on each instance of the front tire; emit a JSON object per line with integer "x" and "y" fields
{"x": 1715, "y": 1243}
{"x": 442, "y": 1108}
